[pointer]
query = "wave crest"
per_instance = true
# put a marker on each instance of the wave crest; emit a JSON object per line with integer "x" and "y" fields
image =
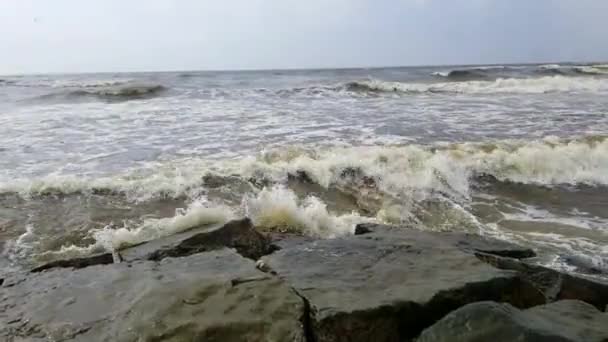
{"x": 471, "y": 73}
{"x": 443, "y": 168}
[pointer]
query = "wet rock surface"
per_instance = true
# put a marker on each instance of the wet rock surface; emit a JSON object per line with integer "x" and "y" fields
{"x": 389, "y": 285}
{"x": 214, "y": 296}
{"x": 386, "y": 283}
{"x": 467, "y": 242}
{"x": 553, "y": 284}
{"x": 563, "y": 321}
{"x": 237, "y": 234}
{"x": 98, "y": 259}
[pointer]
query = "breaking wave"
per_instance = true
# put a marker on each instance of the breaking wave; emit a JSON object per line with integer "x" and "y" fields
{"x": 427, "y": 186}
{"x": 272, "y": 209}
{"x": 441, "y": 167}
{"x": 547, "y": 84}
{"x": 279, "y": 208}
{"x": 199, "y": 213}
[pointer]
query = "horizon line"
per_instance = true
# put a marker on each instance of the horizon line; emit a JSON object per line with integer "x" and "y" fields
{"x": 53, "y": 73}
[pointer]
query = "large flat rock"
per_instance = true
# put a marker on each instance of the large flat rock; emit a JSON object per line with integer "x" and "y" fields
{"x": 563, "y": 321}
{"x": 390, "y": 285}
{"x": 213, "y": 296}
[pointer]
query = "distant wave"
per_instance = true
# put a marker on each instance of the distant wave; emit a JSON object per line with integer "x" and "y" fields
{"x": 470, "y": 73}
{"x": 572, "y": 70}
{"x": 92, "y": 84}
{"x": 377, "y": 87}
{"x": 117, "y": 92}
{"x": 553, "y": 69}
{"x": 547, "y": 84}
{"x": 62, "y": 83}
{"x": 189, "y": 75}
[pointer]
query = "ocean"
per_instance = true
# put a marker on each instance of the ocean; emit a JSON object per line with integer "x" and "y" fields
{"x": 97, "y": 162}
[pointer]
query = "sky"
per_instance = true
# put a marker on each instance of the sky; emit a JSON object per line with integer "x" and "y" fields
{"x": 42, "y": 36}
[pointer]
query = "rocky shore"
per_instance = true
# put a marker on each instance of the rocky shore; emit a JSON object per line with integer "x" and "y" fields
{"x": 234, "y": 283}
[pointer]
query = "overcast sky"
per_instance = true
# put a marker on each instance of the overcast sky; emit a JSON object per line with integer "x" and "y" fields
{"x": 136, "y": 35}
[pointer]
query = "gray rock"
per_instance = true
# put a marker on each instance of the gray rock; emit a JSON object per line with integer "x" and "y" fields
{"x": 286, "y": 240}
{"x": 563, "y": 321}
{"x": 464, "y": 241}
{"x": 97, "y": 259}
{"x": 237, "y": 234}
{"x": 481, "y": 244}
{"x": 214, "y": 296}
{"x": 366, "y": 228}
{"x": 389, "y": 286}
{"x": 553, "y": 284}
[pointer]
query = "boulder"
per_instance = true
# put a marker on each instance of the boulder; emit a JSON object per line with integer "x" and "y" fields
{"x": 390, "y": 285}
{"x": 553, "y": 284}
{"x": 563, "y": 321}
{"x": 214, "y": 296}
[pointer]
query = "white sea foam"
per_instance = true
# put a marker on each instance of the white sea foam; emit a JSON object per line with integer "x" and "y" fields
{"x": 171, "y": 180}
{"x": 549, "y": 66}
{"x": 199, "y": 213}
{"x": 441, "y": 73}
{"x": 530, "y": 213}
{"x": 547, "y": 84}
{"x": 22, "y": 245}
{"x": 279, "y": 208}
